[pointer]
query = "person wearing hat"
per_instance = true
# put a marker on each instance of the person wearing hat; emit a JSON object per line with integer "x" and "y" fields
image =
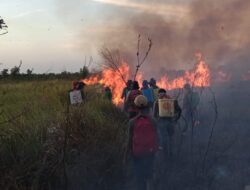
{"x": 143, "y": 143}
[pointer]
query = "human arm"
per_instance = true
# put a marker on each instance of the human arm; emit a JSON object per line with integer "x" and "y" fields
{"x": 155, "y": 109}
{"x": 178, "y": 111}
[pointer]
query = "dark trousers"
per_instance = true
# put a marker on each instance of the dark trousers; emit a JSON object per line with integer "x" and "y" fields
{"x": 166, "y": 129}
{"x": 143, "y": 168}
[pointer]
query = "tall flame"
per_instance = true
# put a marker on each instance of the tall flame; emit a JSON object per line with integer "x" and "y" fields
{"x": 199, "y": 77}
{"x": 112, "y": 78}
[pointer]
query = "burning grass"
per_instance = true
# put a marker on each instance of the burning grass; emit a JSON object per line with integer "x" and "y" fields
{"x": 199, "y": 76}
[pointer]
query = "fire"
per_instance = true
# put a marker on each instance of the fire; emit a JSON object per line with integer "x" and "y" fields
{"x": 112, "y": 78}
{"x": 199, "y": 77}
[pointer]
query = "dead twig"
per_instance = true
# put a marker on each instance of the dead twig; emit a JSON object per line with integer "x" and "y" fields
{"x": 215, "y": 107}
{"x": 113, "y": 61}
{"x": 140, "y": 63}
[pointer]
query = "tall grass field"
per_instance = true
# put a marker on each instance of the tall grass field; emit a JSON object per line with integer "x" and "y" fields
{"x": 45, "y": 143}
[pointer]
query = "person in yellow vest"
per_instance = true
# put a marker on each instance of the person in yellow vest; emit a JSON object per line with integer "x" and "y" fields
{"x": 166, "y": 111}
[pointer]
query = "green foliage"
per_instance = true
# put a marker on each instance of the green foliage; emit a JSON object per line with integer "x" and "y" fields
{"x": 15, "y": 71}
{"x": 4, "y": 72}
{"x": 29, "y": 71}
{"x": 36, "y": 122}
{"x": 84, "y": 72}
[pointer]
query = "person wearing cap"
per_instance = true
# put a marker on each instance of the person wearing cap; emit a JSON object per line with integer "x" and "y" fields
{"x": 143, "y": 131}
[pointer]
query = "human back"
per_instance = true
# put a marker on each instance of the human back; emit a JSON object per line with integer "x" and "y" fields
{"x": 143, "y": 143}
{"x": 132, "y": 109}
{"x": 148, "y": 93}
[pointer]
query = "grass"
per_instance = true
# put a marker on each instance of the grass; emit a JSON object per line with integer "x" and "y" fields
{"x": 46, "y": 144}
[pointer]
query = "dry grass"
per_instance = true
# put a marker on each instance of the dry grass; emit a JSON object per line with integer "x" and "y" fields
{"x": 44, "y": 144}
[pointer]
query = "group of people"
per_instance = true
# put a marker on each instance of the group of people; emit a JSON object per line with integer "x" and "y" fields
{"x": 150, "y": 129}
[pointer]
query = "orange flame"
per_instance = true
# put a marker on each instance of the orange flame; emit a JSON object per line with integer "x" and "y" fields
{"x": 111, "y": 78}
{"x": 199, "y": 77}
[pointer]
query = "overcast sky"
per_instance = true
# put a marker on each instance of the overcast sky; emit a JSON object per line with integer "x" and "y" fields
{"x": 56, "y": 35}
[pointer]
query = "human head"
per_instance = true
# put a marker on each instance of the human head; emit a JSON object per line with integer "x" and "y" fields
{"x": 129, "y": 83}
{"x": 152, "y": 82}
{"x": 141, "y": 102}
{"x": 187, "y": 87}
{"x": 135, "y": 85}
{"x": 107, "y": 89}
{"x": 162, "y": 91}
{"x": 75, "y": 84}
{"x": 145, "y": 84}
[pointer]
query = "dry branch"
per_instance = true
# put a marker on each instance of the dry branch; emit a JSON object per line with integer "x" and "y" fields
{"x": 113, "y": 61}
{"x": 215, "y": 107}
{"x": 140, "y": 63}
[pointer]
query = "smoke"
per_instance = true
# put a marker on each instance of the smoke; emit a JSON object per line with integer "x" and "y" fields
{"x": 218, "y": 29}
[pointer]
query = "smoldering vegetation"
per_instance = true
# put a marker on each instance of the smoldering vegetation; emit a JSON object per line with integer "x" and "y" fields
{"x": 213, "y": 155}
{"x": 44, "y": 145}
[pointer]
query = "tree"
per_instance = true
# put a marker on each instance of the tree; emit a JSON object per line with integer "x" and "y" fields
{"x": 29, "y": 71}
{"x": 16, "y": 69}
{"x": 3, "y": 27}
{"x": 84, "y": 71}
{"x": 4, "y": 72}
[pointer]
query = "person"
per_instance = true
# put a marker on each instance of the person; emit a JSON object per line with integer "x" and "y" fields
{"x": 154, "y": 86}
{"x": 108, "y": 93}
{"x": 148, "y": 93}
{"x": 191, "y": 101}
{"x": 80, "y": 86}
{"x": 143, "y": 143}
{"x": 132, "y": 109}
{"x": 74, "y": 85}
{"x": 125, "y": 92}
{"x": 75, "y": 95}
{"x": 166, "y": 124}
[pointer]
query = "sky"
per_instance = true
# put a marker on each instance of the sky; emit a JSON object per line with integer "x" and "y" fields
{"x": 57, "y": 35}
